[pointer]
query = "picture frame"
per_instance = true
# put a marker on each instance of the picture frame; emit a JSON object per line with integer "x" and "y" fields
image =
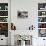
{"x": 22, "y": 14}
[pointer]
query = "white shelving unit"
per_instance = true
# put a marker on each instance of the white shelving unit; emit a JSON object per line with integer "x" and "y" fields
{"x": 4, "y": 23}
{"x": 6, "y": 41}
{"x": 42, "y": 18}
{"x": 4, "y": 19}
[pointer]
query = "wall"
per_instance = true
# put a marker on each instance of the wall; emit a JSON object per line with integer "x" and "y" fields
{"x": 24, "y": 5}
{"x": 28, "y": 5}
{"x": 22, "y": 24}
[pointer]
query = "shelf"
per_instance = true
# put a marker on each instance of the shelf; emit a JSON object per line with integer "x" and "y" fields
{"x": 3, "y": 16}
{"x": 41, "y": 10}
{"x": 42, "y": 16}
{"x": 3, "y": 10}
{"x": 41, "y": 22}
{"x": 41, "y": 28}
{"x": 41, "y": 19}
{"x": 3, "y": 22}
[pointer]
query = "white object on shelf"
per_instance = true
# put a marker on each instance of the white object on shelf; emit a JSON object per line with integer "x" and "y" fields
{"x": 22, "y": 43}
{"x": 42, "y": 31}
{"x": 6, "y": 7}
{"x": 45, "y": 7}
{"x": 43, "y": 13}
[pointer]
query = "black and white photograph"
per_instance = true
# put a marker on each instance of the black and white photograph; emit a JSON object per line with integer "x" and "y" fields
{"x": 22, "y": 14}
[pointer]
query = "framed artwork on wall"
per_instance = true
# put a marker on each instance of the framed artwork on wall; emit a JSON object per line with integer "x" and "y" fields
{"x": 22, "y": 14}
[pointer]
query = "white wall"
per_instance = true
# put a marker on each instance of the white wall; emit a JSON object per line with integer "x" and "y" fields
{"x": 28, "y": 5}
{"x": 22, "y": 24}
{"x": 24, "y": 5}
